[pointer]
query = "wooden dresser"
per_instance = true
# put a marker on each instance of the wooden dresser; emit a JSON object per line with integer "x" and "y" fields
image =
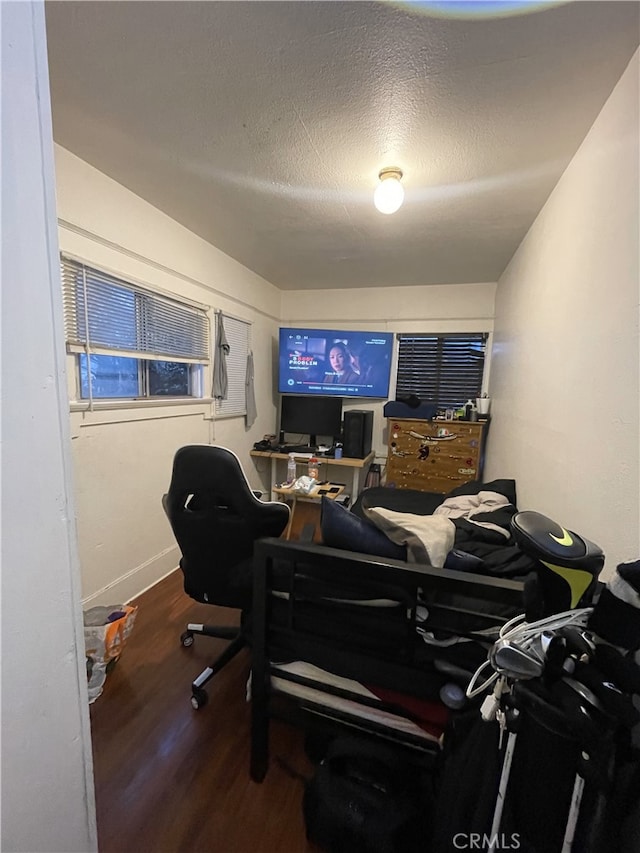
{"x": 434, "y": 456}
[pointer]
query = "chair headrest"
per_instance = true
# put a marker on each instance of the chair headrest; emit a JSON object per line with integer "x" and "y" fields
{"x": 214, "y": 474}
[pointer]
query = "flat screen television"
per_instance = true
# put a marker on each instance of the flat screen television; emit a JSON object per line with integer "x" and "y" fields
{"x": 332, "y": 362}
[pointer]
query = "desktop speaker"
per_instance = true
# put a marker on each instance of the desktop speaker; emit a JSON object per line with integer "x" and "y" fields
{"x": 357, "y": 432}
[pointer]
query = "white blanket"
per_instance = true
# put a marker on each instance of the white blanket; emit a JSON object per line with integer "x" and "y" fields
{"x": 428, "y": 538}
{"x": 466, "y": 506}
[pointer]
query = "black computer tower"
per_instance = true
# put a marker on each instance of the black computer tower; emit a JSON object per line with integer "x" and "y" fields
{"x": 357, "y": 432}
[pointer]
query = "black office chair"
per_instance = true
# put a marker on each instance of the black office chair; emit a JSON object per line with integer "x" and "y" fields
{"x": 216, "y": 518}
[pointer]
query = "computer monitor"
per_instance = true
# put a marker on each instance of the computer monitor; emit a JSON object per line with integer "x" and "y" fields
{"x": 312, "y": 416}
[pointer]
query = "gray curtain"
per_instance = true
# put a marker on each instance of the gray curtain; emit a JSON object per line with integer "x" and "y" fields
{"x": 220, "y": 380}
{"x": 250, "y": 395}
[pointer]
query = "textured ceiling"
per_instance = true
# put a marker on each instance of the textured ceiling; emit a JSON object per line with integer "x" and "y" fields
{"x": 262, "y": 126}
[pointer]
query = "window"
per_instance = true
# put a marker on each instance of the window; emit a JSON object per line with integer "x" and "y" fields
{"x": 237, "y": 334}
{"x": 130, "y": 342}
{"x": 445, "y": 368}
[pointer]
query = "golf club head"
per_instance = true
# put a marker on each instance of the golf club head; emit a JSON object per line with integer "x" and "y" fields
{"x": 578, "y": 642}
{"x": 515, "y": 662}
{"x": 552, "y": 648}
{"x": 550, "y": 641}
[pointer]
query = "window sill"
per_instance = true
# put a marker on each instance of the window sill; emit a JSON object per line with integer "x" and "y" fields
{"x": 118, "y": 405}
{"x": 108, "y": 412}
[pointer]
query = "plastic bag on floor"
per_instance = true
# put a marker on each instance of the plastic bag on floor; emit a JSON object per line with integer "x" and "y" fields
{"x": 106, "y": 629}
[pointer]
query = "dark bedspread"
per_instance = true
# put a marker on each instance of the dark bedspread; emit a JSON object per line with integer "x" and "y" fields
{"x": 500, "y": 556}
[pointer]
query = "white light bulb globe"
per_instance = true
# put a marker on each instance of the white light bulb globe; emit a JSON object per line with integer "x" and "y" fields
{"x": 389, "y": 195}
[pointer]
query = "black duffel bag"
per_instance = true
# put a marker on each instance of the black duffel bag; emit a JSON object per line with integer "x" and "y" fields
{"x": 364, "y": 798}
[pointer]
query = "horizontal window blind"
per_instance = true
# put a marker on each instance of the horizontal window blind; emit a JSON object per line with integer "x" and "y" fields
{"x": 447, "y": 369}
{"x": 237, "y": 333}
{"x": 107, "y": 315}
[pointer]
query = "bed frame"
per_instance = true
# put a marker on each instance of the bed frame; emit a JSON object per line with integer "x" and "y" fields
{"x": 308, "y": 606}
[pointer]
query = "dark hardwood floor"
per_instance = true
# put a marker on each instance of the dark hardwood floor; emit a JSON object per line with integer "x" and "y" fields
{"x": 169, "y": 778}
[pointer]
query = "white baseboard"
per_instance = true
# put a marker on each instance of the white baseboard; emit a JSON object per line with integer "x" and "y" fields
{"x": 136, "y": 581}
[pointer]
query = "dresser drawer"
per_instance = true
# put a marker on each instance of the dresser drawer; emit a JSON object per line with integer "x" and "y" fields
{"x": 434, "y": 456}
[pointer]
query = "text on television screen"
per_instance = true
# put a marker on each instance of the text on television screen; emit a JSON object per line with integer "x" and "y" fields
{"x": 325, "y": 361}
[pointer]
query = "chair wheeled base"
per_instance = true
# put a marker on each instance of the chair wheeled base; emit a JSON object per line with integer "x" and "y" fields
{"x": 199, "y": 696}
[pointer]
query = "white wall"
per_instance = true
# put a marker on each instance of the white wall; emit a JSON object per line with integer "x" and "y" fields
{"x": 431, "y": 308}
{"x": 122, "y": 458}
{"x": 565, "y": 365}
{"x": 47, "y": 786}
{"x": 572, "y": 278}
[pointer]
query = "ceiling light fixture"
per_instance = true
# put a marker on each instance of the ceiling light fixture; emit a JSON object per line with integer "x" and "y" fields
{"x": 389, "y": 193}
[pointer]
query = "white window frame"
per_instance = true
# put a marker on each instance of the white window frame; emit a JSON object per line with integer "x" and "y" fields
{"x": 174, "y": 312}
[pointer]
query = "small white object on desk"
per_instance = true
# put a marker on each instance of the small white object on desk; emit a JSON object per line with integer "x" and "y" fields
{"x": 305, "y": 485}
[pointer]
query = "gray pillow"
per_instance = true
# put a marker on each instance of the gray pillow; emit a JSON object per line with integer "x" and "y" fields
{"x": 342, "y": 529}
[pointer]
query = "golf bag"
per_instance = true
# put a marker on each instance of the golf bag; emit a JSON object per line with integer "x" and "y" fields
{"x": 547, "y": 764}
{"x": 539, "y": 803}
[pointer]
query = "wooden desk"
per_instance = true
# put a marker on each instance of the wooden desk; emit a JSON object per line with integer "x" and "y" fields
{"x": 328, "y": 467}
{"x": 286, "y": 493}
